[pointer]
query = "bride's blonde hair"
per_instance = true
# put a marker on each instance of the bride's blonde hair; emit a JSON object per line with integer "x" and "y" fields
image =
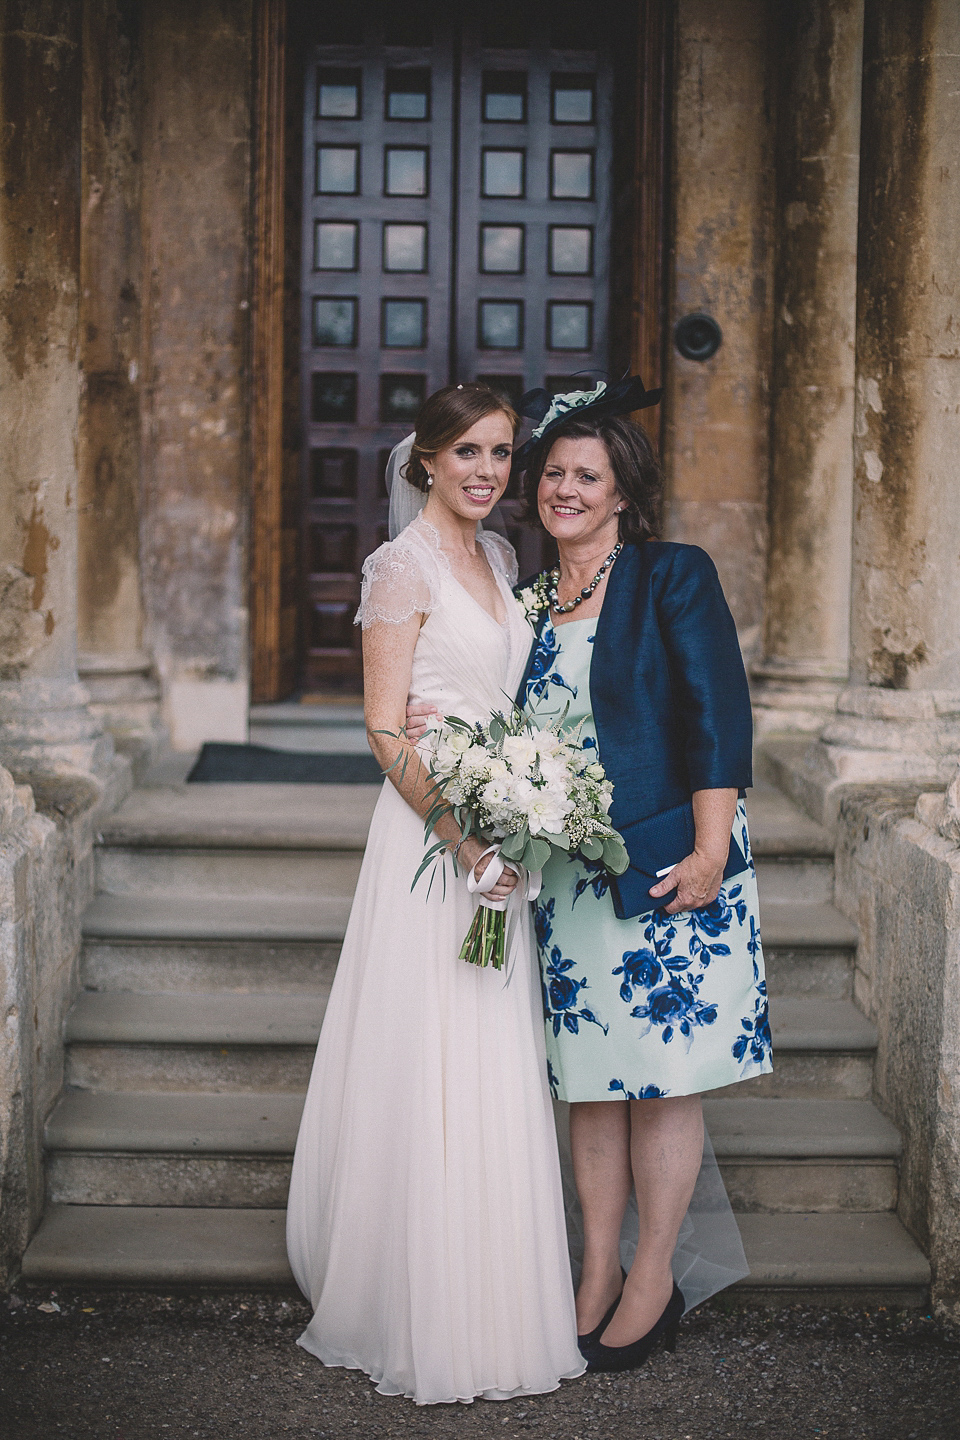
{"x": 445, "y": 416}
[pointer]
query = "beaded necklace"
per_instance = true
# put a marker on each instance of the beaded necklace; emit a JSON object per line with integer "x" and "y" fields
{"x": 586, "y": 592}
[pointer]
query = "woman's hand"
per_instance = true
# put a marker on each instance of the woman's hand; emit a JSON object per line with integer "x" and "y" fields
{"x": 697, "y": 881}
{"x": 468, "y": 858}
{"x": 417, "y": 717}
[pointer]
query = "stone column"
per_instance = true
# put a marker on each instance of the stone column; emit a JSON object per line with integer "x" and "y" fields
{"x": 818, "y": 47}
{"x": 113, "y": 663}
{"x": 900, "y": 716}
{"x": 44, "y": 719}
{"x": 716, "y": 412}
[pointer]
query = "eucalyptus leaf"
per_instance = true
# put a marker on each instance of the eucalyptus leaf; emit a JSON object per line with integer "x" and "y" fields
{"x": 513, "y": 846}
{"x": 592, "y": 848}
{"x": 559, "y": 842}
{"x": 615, "y": 856}
{"x": 536, "y": 854}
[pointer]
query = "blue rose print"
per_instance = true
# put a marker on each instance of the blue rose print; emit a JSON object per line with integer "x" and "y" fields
{"x": 674, "y": 1007}
{"x": 596, "y": 877}
{"x": 542, "y": 674}
{"x": 755, "y": 1042}
{"x": 553, "y": 1080}
{"x": 649, "y": 1092}
{"x": 640, "y": 969}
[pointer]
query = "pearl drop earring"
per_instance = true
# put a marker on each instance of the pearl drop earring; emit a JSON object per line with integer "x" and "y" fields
{"x": 429, "y": 479}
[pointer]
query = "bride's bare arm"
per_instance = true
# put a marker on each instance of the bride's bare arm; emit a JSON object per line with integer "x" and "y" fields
{"x": 387, "y": 668}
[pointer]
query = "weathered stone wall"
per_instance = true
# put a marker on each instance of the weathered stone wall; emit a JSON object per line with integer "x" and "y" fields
{"x": 717, "y": 412}
{"x": 817, "y": 58}
{"x": 898, "y": 878}
{"x": 196, "y": 237}
{"x": 112, "y": 661}
{"x": 46, "y": 878}
{"x": 39, "y": 380}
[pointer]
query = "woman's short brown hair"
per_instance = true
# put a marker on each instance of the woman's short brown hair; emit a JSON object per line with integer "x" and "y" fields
{"x": 445, "y": 416}
{"x": 633, "y": 460}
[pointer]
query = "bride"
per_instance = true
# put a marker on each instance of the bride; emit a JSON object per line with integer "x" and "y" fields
{"x": 425, "y": 1221}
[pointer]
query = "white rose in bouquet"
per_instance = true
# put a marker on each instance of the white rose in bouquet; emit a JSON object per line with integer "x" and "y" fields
{"x": 532, "y": 791}
{"x": 520, "y": 751}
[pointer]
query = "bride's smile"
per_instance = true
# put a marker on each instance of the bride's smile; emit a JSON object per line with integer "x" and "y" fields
{"x": 469, "y": 476}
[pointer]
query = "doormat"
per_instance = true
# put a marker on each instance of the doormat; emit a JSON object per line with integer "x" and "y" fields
{"x": 220, "y": 763}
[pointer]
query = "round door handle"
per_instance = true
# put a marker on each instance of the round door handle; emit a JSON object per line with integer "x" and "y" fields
{"x": 697, "y": 336}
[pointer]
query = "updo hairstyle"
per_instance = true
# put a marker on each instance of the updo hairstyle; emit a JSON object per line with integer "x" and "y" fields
{"x": 444, "y": 417}
{"x": 633, "y": 460}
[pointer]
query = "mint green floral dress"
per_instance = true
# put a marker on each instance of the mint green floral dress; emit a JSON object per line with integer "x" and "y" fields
{"x": 656, "y": 1005}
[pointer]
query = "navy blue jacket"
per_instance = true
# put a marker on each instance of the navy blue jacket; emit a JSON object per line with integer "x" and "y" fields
{"x": 670, "y": 705}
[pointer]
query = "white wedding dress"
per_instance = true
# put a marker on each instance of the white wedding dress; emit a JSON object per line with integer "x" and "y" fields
{"x": 426, "y": 1220}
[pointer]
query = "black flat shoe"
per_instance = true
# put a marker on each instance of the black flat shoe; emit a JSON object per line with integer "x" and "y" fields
{"x": 589, "y": 1341}
{"x": 610, "y": 1358}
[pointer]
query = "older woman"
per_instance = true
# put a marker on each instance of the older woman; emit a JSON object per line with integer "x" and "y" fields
{"x": 653, "y": 981}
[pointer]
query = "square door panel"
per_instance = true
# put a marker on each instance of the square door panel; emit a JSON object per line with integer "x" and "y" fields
{"x": 504, "y": 97}
{"x": 333, "y": 474}
{"x": 570, "y": 250}
{"x": 333, "y": 549}
{"x": 333, "y": 397}
{"x": 336, "y": 245}
{"x": 508, "y": 387}
{"x": 406, "y": 170}
{"x": 407, "y": 95}
{"x": 401, "y": 397}
{"x": 338, "y": 169}
{"x": 501, "y": 249}
{"x": 572, "y": 99}
{"x": 500, "y": 325}
{"x": 332, "y": 624}
{"x": 569, "y": 325}
{"x": 571, "y": 174}
{"x": 334, "y": 320}
{"x": 502, "y": 174}
{"x": 338, "y": 94}
{"x": 405, "y": 248}
{"x": 403, "y": 324}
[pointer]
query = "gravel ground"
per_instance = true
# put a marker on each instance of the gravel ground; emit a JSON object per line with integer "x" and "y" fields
{"x": 122, "y": 1366}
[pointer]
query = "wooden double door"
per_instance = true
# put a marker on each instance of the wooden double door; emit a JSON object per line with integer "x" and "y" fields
{"x": 461, "y": 179}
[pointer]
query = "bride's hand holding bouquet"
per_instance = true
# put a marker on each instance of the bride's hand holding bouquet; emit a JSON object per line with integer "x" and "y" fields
{"x": 519, "y": 792}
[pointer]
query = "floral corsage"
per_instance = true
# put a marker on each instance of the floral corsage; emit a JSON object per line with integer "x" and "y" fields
{"x": 535, "y": 598}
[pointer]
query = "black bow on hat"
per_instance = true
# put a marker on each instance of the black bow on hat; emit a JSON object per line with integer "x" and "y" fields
{"x": 621, "y": 399}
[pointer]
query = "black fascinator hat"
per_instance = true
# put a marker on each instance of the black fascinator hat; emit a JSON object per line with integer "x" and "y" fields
{"x": 550, "y": 411}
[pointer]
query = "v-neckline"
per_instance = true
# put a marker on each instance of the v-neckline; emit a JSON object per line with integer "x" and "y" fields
{"x": 500, "y": 624}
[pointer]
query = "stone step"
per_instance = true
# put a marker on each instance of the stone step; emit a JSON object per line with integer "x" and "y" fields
{"x": 326, "y": 729}
{"x": 822, "y": 1049}
{"x": 129, "y": 1147}
{"x": 843, "y": 1259}
{"x": 230, "y": 872}
{"x": 280, "y": 817}
{"x": 245, "y": 839}
{"x": 237, "y": 966}
{"x": 117, "y": 1245}
{"x": 263, "y": 919}
{"x": 126, "y": 1040}
{"x": 195, "y": 942}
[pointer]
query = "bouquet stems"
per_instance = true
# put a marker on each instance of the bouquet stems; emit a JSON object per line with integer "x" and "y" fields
{"x": 485, "y": 942}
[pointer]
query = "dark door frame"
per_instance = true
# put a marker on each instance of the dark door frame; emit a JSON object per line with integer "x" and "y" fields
{"x": 272, "y": 627}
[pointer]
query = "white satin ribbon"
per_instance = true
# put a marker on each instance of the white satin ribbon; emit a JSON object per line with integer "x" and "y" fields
{"x": 528, "y": 888}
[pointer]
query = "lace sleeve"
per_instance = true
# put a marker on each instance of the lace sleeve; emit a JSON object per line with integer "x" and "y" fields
{"x": 501, "y": 555}
{"x": 395, "y": 586}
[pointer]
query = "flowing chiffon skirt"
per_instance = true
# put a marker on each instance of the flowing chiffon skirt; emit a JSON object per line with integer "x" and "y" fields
{"x": 426, "y": 1219}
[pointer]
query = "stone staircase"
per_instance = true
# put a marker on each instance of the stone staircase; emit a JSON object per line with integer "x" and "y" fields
{"x": 208, "y": 956}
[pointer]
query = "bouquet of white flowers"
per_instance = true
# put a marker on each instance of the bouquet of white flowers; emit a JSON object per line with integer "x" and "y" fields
{"x": 525, "y": 791}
